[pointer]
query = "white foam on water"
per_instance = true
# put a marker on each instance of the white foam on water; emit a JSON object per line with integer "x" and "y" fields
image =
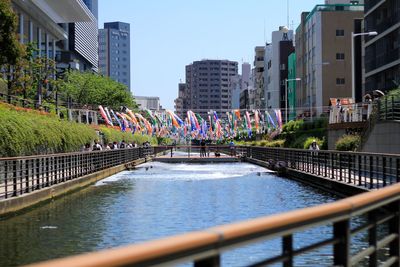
{"x": 186, "y": 172}
{"x": 49, "y": 227}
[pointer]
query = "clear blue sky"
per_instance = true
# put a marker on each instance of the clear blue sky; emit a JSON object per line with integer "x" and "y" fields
{"x": 166, "y": 35}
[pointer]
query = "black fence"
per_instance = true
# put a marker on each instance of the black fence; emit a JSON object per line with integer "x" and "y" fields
{"x": 368, "y": 170}
{"x": 22, "y": 175}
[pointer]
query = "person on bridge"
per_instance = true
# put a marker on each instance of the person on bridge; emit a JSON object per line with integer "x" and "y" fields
{"x": 203, "y": 148}
{"x": 232, "y": 148}
{"x": 314, "y": 147}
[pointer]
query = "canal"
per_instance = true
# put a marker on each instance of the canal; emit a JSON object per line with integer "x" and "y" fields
{"x": 159, "y": 200}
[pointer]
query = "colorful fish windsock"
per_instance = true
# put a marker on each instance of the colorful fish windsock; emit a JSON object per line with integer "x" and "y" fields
{"x": 108, "y": 115}
{"x": 237, "y": 113}
{"x": 256, "y": 119}
{"x": 116, "y": 118}
{"x": 270, "y": 120}
{"x": 248, "y": 120}
{"x": 278, "y": 117}
{"x": 132, "y": 116}
{"x": 104, "y": 115}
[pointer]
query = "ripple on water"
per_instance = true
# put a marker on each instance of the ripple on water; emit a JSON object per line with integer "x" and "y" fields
{"x": 154, "y": 201}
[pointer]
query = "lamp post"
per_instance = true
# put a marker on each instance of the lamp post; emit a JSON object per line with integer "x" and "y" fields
{"x": 353, "y": 68}
{"x": 286, "y": 96}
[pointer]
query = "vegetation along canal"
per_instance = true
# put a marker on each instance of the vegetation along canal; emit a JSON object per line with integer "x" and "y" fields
{"x": 159, "y": 200}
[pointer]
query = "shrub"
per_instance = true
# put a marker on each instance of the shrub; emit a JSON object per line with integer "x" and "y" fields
{"x": 276, "y": 143}
{"x": 348, "y": 143}
{"x": 110, "y": 135}
{"x": 310, "y": 140}
{"x": 26, "y": 132}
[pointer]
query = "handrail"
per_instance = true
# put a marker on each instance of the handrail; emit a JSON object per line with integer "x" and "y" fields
{"x": 206, "y": 246}
{"x": 22, "y": 175}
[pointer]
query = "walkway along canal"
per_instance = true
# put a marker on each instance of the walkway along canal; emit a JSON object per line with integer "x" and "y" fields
{"x": 359, "y": 222}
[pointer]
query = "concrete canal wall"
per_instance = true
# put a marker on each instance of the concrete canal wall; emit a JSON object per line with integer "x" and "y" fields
{"x": 335, "y": 187}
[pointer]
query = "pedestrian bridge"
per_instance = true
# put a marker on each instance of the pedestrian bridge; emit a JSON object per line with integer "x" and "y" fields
{"x": 376, "y": 174}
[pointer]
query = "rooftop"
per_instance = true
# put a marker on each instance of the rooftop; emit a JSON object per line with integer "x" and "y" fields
{"x": 335, "y": 7}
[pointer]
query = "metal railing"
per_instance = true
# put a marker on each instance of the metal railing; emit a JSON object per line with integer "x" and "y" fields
{"x": 23, "y": 175}
{"x": 367, "y": 170}
{"x": 206, "y": 248}
{"x": 350, "y": 113}
{"x": 209, "y": 151}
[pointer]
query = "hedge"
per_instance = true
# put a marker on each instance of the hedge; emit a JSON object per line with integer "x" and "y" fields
{"x": 111, "y": 135}
{"x": 27, "y": 132}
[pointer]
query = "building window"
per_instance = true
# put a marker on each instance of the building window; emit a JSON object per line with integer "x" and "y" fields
{"x": 340, "y": 81}
{"x": 339, "y": 56}
{"x": 340, "y": 32}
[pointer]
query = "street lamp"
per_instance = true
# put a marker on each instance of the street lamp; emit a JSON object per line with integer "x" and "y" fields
{"x": 286, "y": 96}
{"x": 353, "y": 68}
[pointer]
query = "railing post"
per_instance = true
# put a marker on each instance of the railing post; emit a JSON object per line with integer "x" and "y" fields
{"x": 6, "y": 178}
{"x": 359, "y": 170}
{"x": 340, "y": 168}
{"x": 209, "y": 262}
{"x": 386, "y": 108}
{"x": 350, "y": 158}
{"x": 287, "y": 248}
{"x": 341, "y": 250}
{"x": 397, "y": 170}
{"x": 384, "y": 171}
{"x": 38, "y": 186}
{"x": 372, "y": 239}
{"x": 27, "y": 189}
{"x": 392, "y": 107}
{"x": 371, "y": 179}
{"x": 394, "y": 228}
{"x": 14, "y": 172}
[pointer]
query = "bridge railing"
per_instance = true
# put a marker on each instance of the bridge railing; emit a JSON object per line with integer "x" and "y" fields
{"x": 209, "y": 150}
{"x": 368, "y": 170}
{"x": 21, "y": 175}
{"x": 381, "y": 226}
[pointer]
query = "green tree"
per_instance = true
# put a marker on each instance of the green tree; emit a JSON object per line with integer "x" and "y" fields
{"x": 10, "y": 50}
{"x": 91, "y": 89}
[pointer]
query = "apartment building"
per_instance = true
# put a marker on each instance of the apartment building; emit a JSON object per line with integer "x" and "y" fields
{"x": 114, "y": 52}
{"x": 323, "y": 54}
{"x": 209, "y": 86}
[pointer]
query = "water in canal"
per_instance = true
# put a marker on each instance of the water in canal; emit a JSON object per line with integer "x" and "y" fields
{"x": 159, "y": 200}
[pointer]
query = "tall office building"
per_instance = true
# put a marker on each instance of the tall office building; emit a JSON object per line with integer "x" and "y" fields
{"x": 246, "y": 76}
{"x": 276, "y": 68}
{"x": 114, "y": 52}
{"x": 80, "y": 50}
{"x": 382, "y": 57}
{"x": 323, "y": 54}
{"x": 259, "y": 77}
{"x": 181, "y": 102}
{"x": 45, "y": 23}
{"x": 209, "y": 85}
